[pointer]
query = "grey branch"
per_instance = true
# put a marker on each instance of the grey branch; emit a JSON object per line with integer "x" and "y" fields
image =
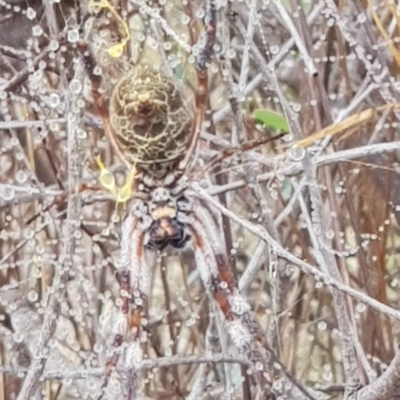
{"x": 307, "y": 268}
{"x": 56, "y": 295}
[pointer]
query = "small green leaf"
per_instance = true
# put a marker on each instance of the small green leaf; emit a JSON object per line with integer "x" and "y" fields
{"x": 286, "y": 189}
{"x": 179, "y": 71}
{"x": 306, "y": 5}
{"x": 271, "y": 119}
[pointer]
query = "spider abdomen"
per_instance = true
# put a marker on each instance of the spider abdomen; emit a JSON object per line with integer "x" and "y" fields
{"x": 150, "y": 118}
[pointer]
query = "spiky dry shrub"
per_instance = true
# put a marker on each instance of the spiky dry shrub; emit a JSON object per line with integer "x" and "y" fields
{"x": 310, "y": 223}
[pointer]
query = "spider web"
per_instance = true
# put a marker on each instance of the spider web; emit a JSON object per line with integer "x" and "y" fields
{"x": 328, "y": 195}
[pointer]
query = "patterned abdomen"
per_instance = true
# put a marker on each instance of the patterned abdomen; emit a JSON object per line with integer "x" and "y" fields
{"x": 151, "y": 121}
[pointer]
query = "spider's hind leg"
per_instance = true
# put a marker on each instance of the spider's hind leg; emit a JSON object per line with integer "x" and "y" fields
{"x": 133, "y": 279}
{"x": 219, "y": 283}
{"x": 217, "y": 277}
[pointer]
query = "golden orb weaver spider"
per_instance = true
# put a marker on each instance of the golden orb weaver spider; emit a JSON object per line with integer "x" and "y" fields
{"x": 155, "y": 134}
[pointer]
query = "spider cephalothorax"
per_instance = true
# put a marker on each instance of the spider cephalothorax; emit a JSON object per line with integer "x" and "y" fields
{"x": 151, "y": 120}
{"x": 163, "y": 216}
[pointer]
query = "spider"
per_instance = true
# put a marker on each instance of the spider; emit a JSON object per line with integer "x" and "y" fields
{"x": 156, "y": 135}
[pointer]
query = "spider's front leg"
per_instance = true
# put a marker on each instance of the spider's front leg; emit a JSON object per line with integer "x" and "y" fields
{"x": 134, "y": 286}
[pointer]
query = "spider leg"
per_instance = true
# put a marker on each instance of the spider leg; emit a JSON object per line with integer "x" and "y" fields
{"x": 218, "y": 279}
{"x": 226, "y": 153}
{"x": 219, "y": 284}
{"x": 121, "y": 194}
{"x": 96, "y": 80}
{"x": 205, "y": 51}
{"x": 134, "y": 287}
